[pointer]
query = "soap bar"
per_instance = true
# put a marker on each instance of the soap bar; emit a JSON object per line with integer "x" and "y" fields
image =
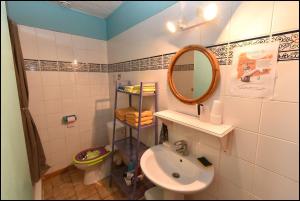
{"x": 204, "y": 161}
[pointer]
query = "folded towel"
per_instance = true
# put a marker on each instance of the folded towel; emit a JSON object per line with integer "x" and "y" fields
{"x": 136, "y": 120}
{"x": 142, "y": 123}
{"x": 137, "y": 91}
{"x": 135, "y": 114}
{"x": 121, "y": 112}
{"x": 136, "y": 88}
{"x": 122, "y": 118}
{"x": 144, "y": 85}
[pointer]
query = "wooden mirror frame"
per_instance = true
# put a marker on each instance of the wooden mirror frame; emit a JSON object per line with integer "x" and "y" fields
{"x": 215, "y": 74}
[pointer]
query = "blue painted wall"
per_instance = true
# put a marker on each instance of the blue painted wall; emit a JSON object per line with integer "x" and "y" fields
{"x": 48, "y": 15}
{"x": 131, "y": 13}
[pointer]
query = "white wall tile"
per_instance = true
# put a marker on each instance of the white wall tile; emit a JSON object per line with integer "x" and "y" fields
{"x": 50, "y": 78}
{"x": 52, "y": 106}
{"x": 230, "y": 191}
{"x": 64, "y": 47}
{"x": 81, "y": 55}
{"x": 242, "y": 112}
{"x": 237, "y": 171}
{"x": 286, "y": 16}
{"x": 270, "y": 186}
{"x": 54, "y": 120}
{"x": 68, "y": 107}
{"x": 82, "y": 91}
{"x": 68, "y": 92}
{"x": 36, "y": 93}
{"x": 79, "y": 42}
{"x": 34, "y": 78}
{"x": 56, "y": 133}
{"x": 40, "y": 122}
{"x": 287, "y": 91}
{"x": 243, "y": 144}
{"x": 52, "y": 93}
{"x": 212, "y": 154}
{"x": 279, "y": 156}
{"x": 72, "y": 142}
{"x": 46, "y": 45}
{"x": 281, "y": 120}
{"x": 82, "y": 78}
{"x": 66, "y": 79}
{"x": 36, "y": 108}
{"x": 28, "y": 42}
{"x": 245, "y": 24}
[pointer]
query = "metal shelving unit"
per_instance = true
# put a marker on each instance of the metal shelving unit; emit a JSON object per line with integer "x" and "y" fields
{"x": 132, "y": 148}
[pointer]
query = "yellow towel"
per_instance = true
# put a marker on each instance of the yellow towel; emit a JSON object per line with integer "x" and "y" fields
{"x": 142, "y": 123}
{"x": 136, "y": 120}
{"x": 144, "y": 85}
{"x": 136, "y": 114}
{"x": 136, "y": 88}
{"x": 144, "y": 90}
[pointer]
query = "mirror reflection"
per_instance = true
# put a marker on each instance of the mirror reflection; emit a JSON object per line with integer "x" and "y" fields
{"x": 192, "y": 74}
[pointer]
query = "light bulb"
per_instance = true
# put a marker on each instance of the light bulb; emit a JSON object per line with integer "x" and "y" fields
{"x": 210, "y": 12}
{"x": 171, "y": 27}
{"x": 75, "y": 62}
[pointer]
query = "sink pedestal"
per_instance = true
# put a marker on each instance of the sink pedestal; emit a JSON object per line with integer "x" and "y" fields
{"x": 171, "y": 195}
{"x": 158, "y": 193}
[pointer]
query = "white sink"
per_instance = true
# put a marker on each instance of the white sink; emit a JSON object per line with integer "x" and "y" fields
{"x": 159, "y": 163}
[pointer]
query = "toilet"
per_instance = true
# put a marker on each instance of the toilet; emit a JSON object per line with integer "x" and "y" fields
{"x": 94, "y": 161}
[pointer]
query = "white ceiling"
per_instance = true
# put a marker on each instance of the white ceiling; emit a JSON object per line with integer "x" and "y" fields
{"x": 100, "y": 9}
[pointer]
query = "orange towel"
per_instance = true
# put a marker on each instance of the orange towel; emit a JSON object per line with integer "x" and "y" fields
{"x": 136, "y": 120}
{"x": 122, "y": 118}
{"x": 136, "y": 114}
{"x": 142, "y": 123}
{"x": 121, "y": 112}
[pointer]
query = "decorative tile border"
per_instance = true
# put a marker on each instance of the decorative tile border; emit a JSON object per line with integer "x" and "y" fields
{"x": 31, "y": 65}
{"x": 167, "y": 59}
{"x": 65, "y": 66}
{"x": 288, "y": 50}
{"x": 184, "y": 67}
{"x": 220, "y": 52}
{"x": 44, "y": 65}
{"x": 48, "y": 65}
{"x": 156, "y": 62}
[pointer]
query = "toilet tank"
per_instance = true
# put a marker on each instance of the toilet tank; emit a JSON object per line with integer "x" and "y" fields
{"x": 120, "y": 131}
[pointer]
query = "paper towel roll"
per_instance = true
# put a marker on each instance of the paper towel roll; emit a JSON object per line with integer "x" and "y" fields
{"x": 217, "y": 107}
{"x": 216, "y": 112}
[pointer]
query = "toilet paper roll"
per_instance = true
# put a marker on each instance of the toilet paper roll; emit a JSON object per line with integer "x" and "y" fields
{"x": 71, "y": 119}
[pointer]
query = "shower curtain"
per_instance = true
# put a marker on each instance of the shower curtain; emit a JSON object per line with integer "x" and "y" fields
{"x": 35, "y": 152}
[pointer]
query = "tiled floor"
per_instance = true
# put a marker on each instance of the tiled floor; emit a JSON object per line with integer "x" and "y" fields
{"x": 69, "y": 186}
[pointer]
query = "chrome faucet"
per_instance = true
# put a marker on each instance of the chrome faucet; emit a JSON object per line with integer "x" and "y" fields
{"x": 181, "y": 147}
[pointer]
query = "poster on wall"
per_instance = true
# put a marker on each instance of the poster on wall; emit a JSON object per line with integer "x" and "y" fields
{"x": 254, "y": 70}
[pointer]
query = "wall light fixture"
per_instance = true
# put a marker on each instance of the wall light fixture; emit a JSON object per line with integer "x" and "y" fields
{"x": 208, "y": 13}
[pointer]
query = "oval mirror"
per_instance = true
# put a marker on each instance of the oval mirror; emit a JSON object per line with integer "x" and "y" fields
{"x": 193, "y": 74}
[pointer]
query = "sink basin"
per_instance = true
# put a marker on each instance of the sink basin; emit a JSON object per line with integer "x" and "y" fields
{"x": 174, "y": 172}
